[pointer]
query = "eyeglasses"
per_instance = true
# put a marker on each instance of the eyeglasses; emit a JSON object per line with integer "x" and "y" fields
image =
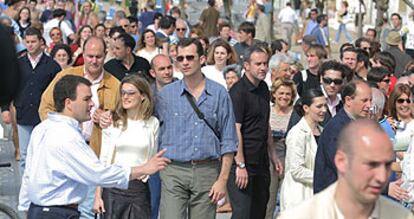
{"x": 181, "y": 29}
{"x": 386, "y": 81}
{"x": 189, "y": 58}
{"x": 402, "y": 100}
{"x": 330, "y": 80}
{"x": 128, "y": 92}
{"x": 366, "y": 48}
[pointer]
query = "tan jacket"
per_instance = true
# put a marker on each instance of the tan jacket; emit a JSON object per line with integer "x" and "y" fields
{"x": 322, "y": 206}
{"x": 107, "y": 92}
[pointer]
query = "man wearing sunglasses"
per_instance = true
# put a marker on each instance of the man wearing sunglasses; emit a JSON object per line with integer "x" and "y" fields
{"x": 381, "y": 78}
{"x": 198, "y": 130}
{"x": 356, "y": 97}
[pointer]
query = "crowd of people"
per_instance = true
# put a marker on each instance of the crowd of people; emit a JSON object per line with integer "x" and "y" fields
{"x": 149, "y": 116}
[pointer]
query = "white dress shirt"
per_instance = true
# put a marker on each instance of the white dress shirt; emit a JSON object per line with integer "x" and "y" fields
{"x": 88, "y": 125}
{"x": 60, "y": 166}
{"x": 287, "y": 15}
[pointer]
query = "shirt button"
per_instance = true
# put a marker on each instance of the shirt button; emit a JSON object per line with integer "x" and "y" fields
{"x": 31, "y": 105}
{"x": 196, "y": 136}
{"x": 196, "y": 149}
{"x": 175, "y": 114}
{"x": 195, "y": 123}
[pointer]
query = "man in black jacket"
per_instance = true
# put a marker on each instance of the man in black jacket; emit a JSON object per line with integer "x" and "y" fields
{"x": 37, "y": 71}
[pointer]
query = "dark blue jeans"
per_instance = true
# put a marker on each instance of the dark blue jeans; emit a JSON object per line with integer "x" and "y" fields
{"x": 155, "y": 192}
{"x": 52, "y": 212}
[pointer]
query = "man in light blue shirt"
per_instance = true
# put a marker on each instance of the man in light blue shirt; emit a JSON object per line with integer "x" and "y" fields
{"x": 61, "y": 166}
{"x": 193, "y": 182}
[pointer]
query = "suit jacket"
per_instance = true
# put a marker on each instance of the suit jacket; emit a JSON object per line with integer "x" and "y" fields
{"x": 322, "y": 206}
{"x": 107, "y": 92}
{"x": 301, "y": 149}
{"x": 325, "y": 170}
{"x": 33, "y": 83}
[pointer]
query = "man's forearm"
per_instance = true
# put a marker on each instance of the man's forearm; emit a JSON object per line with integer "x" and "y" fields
{"x": 226, "y": 161}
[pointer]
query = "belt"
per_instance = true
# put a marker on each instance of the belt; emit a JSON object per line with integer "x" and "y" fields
{"x": 72, "y": 206}
{"x": 196, "y": 162}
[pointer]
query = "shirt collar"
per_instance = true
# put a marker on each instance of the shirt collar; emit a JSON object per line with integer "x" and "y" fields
{"x": 97, "y": 80}
{"x": 35, "y": 59}
{"x": 207, "y": 87}
{"x": 250, "y": 86}
{"x": 58, "y": 117}
{"x": 374, "y": 214}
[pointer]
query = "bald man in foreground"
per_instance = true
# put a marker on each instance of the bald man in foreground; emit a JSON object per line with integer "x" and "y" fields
{"x": 363, "y": 162}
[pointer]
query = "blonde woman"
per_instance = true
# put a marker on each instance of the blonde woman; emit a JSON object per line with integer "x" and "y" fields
{"x": 131, "y": 140}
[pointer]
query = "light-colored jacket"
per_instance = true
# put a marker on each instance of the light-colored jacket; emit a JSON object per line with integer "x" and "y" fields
{"x": 301, "y": 149}
{"x": 107, "y": 91}
{"x": 322, "y": 206}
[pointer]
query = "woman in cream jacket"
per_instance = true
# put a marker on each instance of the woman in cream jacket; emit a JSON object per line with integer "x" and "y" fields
{"x": 301, "y": 146}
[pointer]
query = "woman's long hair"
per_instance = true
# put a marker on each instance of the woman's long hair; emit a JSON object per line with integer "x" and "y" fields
{"x": 145, "y": 108}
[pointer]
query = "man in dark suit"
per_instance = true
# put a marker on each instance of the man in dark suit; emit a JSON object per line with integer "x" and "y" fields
{"x": 357, "y": 97}
{"x": 37, "y": 71}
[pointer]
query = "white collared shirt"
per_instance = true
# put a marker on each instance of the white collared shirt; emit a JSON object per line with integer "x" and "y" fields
{"x": 88, "y": 125}
{"x": 287, "y": 15}
{"x": 60, "y": 166}
{"x": 374, "y": 213}
{"x": 34, "y": 60}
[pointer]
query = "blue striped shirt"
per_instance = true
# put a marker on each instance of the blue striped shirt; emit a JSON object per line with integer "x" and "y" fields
{"x": 184, "y": 135}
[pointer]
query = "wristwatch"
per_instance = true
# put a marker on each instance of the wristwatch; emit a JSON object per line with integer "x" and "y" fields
{"x": 241, "y": 165}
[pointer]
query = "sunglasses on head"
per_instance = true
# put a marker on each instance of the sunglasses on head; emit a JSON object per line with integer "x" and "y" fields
{"x": 402, "y": 100}
{"x": 189, "y": 58}
{"x": 330, "y": 80}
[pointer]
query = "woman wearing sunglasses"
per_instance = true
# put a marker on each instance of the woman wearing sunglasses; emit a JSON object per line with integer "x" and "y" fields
{"x": 401, "y": 116}
{"x": 131, "y": 140}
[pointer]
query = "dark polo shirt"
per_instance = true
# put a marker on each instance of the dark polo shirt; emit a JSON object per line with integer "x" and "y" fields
{"x": 141, "y": 67}
{"x": 252, "y": 110}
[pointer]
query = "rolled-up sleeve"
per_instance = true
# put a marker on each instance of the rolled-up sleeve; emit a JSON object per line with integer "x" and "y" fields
{"x": 227, "y": 121}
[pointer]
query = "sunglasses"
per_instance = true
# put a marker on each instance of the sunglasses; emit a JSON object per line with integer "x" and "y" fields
{"x": 181, "y": 29}
{"x": 330, "y": 80}
{"x": 128, "y": 92}
{"x": 400, "y": 101}
{"x": 386, "y": 81}
{"x": 189, "y": 58}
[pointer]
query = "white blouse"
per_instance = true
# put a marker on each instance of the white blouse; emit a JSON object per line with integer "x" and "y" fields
{"x": 148, "y": 55}
{"x": 130, "y": 147}
{"x": 211, "y": 72}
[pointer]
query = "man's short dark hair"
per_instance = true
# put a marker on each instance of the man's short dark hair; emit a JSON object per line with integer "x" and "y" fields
{"x": 372, "y": 30}
{"x": 377, "y": 74}
{"x": 277, "y": 45}
{"x": 132, "y": 19}
{"x": 332, "y": 65}
{"x": 363, "y": 56}
{"x": 223, "y": 25}
{"x": 116, "y": 29}
{"x": 128, "y": 41}
{"x": 167, "y": 22}
{"x": 248, "y": 27}
{"x": 320, "y": 18}
{"x": 66, "y": 88}
{"x": 252, "y": 49}
{"x": 185, "y": 42}
{"x": 211, "y": 3}
{"x": 157, "y": 15}
{"x": 386, "y": 59}
{"x": 314, "y": 10}
{"x": 59, "y": 13}
{"x": 349, "y": 49}
{"x": 33, "y": 31}
{"x": 350, "y": 88}
{"x": 396, "y": 14}
{"x": 360, "y": 40}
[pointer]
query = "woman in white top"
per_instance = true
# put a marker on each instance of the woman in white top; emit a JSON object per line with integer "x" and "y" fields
{"x": 148, "y": 45}
{"x": 401, "y": 117}
{"x": 131, "y": 140}
{"x": 301, "y": 146}
{"x": 220, "y": 54}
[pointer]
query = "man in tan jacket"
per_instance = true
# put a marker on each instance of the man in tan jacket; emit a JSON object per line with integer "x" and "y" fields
{"x": 104, "y": 91}
{"x": 363, "y": 161}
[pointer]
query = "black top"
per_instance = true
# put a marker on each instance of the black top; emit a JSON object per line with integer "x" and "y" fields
{"x": 33, "y": 83}
{"x": 252, "y": 111}
{"x": 141, "y": 66}
{"x": 312, "y": 81}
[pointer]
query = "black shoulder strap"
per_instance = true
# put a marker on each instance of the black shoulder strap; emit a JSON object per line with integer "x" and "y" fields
{"x": 200, "y": 114}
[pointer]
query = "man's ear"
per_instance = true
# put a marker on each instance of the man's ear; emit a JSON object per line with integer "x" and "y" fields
{"x": 341, "y": 161}
{"x": 202, "y": 59}
{"x": 152, "y": 72}
{"x": 68, "y": 104}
